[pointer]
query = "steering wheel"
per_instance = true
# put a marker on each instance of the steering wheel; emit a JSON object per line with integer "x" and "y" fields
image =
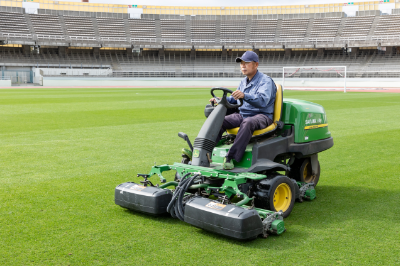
{"x": 226, "y": 91}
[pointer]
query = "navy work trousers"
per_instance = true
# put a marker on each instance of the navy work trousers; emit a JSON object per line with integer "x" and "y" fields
{"x": 247, "y": 127}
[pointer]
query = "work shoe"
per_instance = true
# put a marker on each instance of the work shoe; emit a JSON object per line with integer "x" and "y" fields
{"x": 228, "y": 164}
{"x": 187, "y": 152}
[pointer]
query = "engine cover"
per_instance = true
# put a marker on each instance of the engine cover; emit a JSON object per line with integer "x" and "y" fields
{"x": 136, "y": 197}
{"x": 229, "y": 220}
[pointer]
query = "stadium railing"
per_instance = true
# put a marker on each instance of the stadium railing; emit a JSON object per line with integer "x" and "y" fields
{"x": 151, "y": 40}
{"x": 226, "y": 40}
{"x": 203, "y": 40}
{"x": 16, "y": 35}
{"x": 82, "y": 38}
{"x": 259, "y": 41}
{"x": 113, "y": 39}
{"x": 387, "y": 37}
{"x": 165, "y": 40}
{"x": 49, "y": 37}
{"x": 289, "y": 40}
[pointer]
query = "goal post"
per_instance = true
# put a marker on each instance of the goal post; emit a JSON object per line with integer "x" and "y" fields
{"x": 315, "y": 76}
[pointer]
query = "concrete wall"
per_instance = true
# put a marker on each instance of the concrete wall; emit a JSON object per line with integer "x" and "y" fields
{"x": 37, "y": 76}
{"x": 334, "y": 83}
{"x": 5, "y": 83}
{"x": 315, "y": 83}
{"x": 139, "y": 82}
{"x": 74, "y": 72}
{"x": 38, "y": 79}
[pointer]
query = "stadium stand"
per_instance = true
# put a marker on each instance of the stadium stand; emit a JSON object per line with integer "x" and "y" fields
{"x": 233, "y": 31}
{"x": 111, "y": 29}
{"x": 325, "y": 28}
{"x": 199, "y": 42}
{"x": 143, "y": 30}
{"x": 203, "y": 31}
{"x": 294, "y": 29}
{"x": 388, "y": 26}
{"x": 14, "y": 25}
{"x": 263, "y": 30}
{"x": 173, "y": 30}
{"x": 47, "y": 26}
{"x": 357, "y": 26}
{"x": 79, "y": 28}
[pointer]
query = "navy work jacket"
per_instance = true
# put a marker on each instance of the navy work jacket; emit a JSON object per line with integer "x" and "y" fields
{"x": 259, "y": 96}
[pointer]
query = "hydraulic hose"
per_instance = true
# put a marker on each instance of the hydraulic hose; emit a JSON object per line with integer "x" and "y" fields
{"x": 172, "y": 183}
{"x": 243, "y": 201}
{"x": 176, "y": 205}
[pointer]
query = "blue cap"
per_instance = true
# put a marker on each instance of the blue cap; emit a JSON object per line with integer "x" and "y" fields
{"x": 248, "y": 56}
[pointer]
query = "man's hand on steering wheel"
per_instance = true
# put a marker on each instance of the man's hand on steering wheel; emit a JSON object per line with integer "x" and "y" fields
{"x": 226, "y": 103}
{"x": 237, "y": 95}
{"x": 214, "y": 100}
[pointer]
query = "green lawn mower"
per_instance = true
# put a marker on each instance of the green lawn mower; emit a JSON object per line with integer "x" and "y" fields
{"x": 280, "y": 166}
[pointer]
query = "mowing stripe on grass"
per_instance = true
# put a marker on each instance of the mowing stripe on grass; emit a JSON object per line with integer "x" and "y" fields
{"x": 63, "y": 151}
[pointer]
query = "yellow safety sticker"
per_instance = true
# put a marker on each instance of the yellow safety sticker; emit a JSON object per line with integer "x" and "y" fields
{"x": 137, "y": 187}
{"x": 215, "y": 206}
{"x": 315, "y": 126}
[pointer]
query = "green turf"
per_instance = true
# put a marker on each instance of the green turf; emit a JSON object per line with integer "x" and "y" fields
{"x": 63, "y": 152}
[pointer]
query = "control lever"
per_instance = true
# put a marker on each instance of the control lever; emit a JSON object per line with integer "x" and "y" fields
{"x": 185, "y": 137}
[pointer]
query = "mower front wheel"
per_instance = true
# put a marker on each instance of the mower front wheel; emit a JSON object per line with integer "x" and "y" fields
{"x": 282, "y": 195}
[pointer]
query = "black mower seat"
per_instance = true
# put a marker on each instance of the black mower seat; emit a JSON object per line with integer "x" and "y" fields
{"x": 277, "y": 116}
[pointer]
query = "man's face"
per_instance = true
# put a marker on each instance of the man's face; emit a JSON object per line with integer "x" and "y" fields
{"x": 248, "y": 68}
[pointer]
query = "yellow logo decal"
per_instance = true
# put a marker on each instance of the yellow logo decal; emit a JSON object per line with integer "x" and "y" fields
{"x": 315, "y": 126}
{"x": 196, "y": 153}
{"x": 215, "y": 206}
{"x": 137, "y": 187}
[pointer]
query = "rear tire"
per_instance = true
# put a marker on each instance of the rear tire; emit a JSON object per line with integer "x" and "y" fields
{"x": 301, "y": 171}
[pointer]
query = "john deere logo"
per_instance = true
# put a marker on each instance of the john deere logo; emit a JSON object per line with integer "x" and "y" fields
{"x": 196, "y": 153}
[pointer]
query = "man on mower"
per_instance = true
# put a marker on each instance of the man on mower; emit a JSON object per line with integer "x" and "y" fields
{"x": 258, "y": 93}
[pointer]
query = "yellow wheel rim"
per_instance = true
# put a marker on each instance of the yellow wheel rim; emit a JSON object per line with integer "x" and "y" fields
{"x": 307, "y": 177}
{"x": 282, "y": 197}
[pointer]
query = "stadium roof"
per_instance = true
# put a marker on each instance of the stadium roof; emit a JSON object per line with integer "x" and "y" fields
{"x": 216, "y": 2}
{"x": 216, "y": 7}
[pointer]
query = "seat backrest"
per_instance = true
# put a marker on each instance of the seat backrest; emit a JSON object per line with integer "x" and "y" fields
{"x": 278, "y": 103}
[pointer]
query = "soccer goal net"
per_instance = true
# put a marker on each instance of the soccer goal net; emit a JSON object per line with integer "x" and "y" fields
{"x": 315, "y": 77}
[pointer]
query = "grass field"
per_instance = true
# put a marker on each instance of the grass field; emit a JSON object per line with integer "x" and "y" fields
{"x": 63, "y": 152}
